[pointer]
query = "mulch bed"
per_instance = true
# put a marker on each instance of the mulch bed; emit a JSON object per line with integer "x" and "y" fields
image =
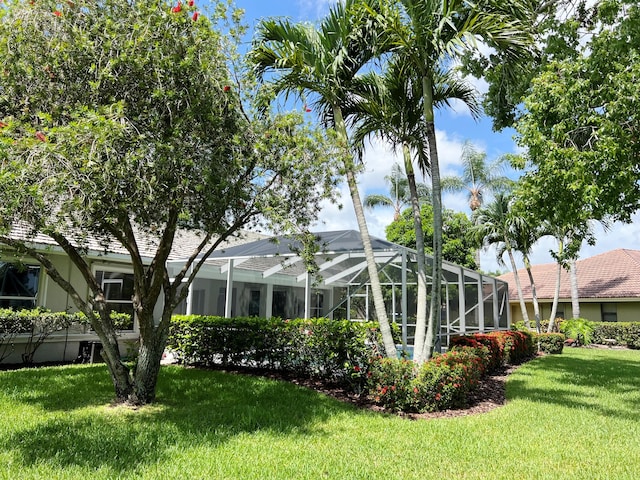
{"x": 489, "y": 395}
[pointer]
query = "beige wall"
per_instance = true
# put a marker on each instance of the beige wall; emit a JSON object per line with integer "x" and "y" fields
{"x": 627, "y": 311}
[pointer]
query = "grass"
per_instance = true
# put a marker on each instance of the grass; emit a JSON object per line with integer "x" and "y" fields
{"x": 575, "y": 415}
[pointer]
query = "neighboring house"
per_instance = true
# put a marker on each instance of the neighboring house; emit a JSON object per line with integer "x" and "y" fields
{"x": 255, "y": 275}
{"x": 608, "y": 288}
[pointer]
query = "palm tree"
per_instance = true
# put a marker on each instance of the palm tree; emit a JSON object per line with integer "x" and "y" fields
{"x": 399, "y": 196}
{"x": 478, "y": 177}
{"x": 322, "y": 63}
{"x": 429, "y": 36}
{"x": 524, "y": 238}
{"x": 494, "y": 224}
{"x": 390, "y": 105}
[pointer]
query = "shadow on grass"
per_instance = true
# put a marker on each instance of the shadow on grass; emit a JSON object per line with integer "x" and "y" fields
{"x": 613, "y": 373}
{"x": 194, "y": 407}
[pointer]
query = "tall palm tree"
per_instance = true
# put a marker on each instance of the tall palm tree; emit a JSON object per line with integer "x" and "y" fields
{"x": 322, "y": 63}
{"x": 524, "y": 237}
{"x": 429, "y": 36}
{"x": 390, "y": 105}
{"x": 495, "y": 226}
{"x": 399, "y": 196}
{"x": 478, "y": 177}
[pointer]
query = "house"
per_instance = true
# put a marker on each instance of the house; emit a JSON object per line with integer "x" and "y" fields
{"x": 256, "y": 275}
{"x": 608, "y": 288}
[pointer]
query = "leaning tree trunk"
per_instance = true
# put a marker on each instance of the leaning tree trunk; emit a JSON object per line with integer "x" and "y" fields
{"x": 421, "y": 313}
{"x": 374, "y": 279}
{"x": 534, "y": 294}
{"x": 516, "y": 277}
{"x": 436, "y": 290}
{"x": 575, "y": 302}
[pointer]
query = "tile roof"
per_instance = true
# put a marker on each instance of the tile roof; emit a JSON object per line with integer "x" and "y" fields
{"x": 614, "y": 274}
{"x": 184, "y": 244}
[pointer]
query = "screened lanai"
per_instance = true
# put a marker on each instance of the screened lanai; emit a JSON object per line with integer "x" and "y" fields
{"x": 269, "y": 278}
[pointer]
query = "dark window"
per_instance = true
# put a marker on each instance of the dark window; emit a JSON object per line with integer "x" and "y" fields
{"x": 609, "y": 312}
{"x": 118, "y": 291}
{"x": 18, "y": 285}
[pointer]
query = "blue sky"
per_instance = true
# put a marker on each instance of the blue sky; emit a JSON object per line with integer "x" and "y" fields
{"x": 453, "y": 128}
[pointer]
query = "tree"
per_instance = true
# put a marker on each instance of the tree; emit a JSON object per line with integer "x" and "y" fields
{"x": 390, "y": 105}
{"x": 120, "y": 123}
{"x": 399, "y": 195}
{"x": 495, "y": 226}
{"x": 429, "y": 37}
{"x": 323, "y": 63}
{"x": 478, "y": 177}
{"x": 458, "y": 242}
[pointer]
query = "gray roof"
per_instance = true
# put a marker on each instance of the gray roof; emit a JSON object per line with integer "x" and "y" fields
{"x": 341, "y": 241}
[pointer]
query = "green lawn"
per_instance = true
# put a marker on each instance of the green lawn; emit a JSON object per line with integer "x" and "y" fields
{"x": 575, "y": 415}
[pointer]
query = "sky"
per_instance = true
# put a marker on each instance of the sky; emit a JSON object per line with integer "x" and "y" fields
{"x": 453, "y": 128}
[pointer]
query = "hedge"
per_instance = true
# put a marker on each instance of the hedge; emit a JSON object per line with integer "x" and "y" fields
{"x": 624, "y": 333}
{"x": 549, "y": 342}
{"x": 337, "y": 350}
{"x": 505, "y": 347}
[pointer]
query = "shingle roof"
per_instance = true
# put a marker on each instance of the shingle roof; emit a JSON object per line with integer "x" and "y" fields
{"x": 614, "y": 274}
{"x": 184, "y": 244}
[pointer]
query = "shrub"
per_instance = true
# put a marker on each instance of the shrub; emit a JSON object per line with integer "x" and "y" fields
{"x": 549, "y": 342}
{"x": 580, "y": 329}
{"x": 337, "y": 350}
{"x": 505, "y": 347}
{"x": 624, "y": 333}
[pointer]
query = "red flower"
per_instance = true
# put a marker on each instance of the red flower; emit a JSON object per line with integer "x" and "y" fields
{"x": 438, "y": 397}
{"x": 191, "y": 2}
{"x": 415, "y": 390}
{"x": 356, "y": 368}
{"x": 226, "y": 88}
{"x": 41, "y": 136}
{"x": 57, "y": 13}
{"x": 195, "y": 16}
{"x": 177, "y": 8}
{"x": 307, "y": 109}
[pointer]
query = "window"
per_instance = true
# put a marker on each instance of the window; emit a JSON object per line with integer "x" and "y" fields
{"x": 118, "y": 291}
{"x": 18, "y": 285}
{"x": 609, "y": 312}
{"x": 317, "y": 301}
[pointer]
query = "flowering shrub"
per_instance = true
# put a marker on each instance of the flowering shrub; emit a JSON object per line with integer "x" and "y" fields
{"x": 443, "y": 382}
{"x": 504, "y": 347}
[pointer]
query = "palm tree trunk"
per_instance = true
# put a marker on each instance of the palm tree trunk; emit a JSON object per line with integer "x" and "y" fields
{"x": 516, "y": 277}
{"x": 374, "y": 279}
{"x": 421, "y": 314}
{"x": 556, "y": 295}
{"x": 534, "y": 294}
{"x": 436, "y": 191}
{"x": 575, "y": 302}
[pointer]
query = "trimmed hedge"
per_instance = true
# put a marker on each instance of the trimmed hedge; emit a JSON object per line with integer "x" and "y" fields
{"x": 624, "y": 333}
{"x": 505, "y": 347}
{"x": 337, "y": 350}
{"x": 549, "y": 342}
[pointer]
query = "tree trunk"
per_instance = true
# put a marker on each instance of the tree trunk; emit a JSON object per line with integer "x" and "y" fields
{"x": 516, "y": 277}
{"x": 575, "y": 300}
{"x": 436, "y": 189}
{"x": 534, "y": 294}
{"x": 556, "y": 295}
{"x": 374, "y": 279}
{"x": 150, "y": 351}
{"x": 421, "y": 314}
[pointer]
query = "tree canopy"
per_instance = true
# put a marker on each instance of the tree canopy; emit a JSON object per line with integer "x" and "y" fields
{"x": 120, "y": 120}
{"x": 459, "y": 244}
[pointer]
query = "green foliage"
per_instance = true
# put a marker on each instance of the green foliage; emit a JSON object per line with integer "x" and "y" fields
{"x": 36, "y": 325}
{"x": 579, "y": 329}
{"x": 503, "y": 347}
{"x": 549, "y": 342}
{"x": 624, "y": 333}
{"x": 443, "y": 382}
{"x": 459, "y": 245}
{"x": 337, "y": 350}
